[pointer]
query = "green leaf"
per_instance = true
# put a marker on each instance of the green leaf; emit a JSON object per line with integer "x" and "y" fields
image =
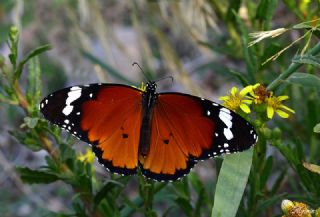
{"x": 31, "y": 122}
{"x": 270, "y": 202}
{"x": 305, "y": 79}
{"x": 307, "y": 59}
{"x": 248, "y": 52}
{"x": 67, "y": 153}
{"x": 267, "y": 170}
{"x": 231, "y": 183}
{"x": 316, "y": 128}
{"x": 240, "y": 76}
{"x": 233, "y": 6}
{"x": 185, "y": 205}
{"x": 33, "y": 53}
{"x": 29, "y": 139}
{"x": 101, "y": 194}
{"x": 36, "y": 176}
{"x": 34, "y": 85}
{"x": 113, "y": 72}
{"x": 265, "y": 11}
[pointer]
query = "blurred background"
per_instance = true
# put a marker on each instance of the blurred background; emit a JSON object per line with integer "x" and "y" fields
{"x": 201, "y": 43}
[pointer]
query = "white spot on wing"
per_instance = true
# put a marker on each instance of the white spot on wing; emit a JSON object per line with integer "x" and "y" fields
{"x": 227, "y": 133}
{"x": 208, "y": 113}
{"x": 74, "y": 94}
{"x": 226, "y": 145}
{"x": 226, "y": 118}
{"x": 225, "y": 110}
{"x": 66, "y": 121}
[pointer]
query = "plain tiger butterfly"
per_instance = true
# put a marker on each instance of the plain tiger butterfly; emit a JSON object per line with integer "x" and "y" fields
{"x": 162, "y": 134}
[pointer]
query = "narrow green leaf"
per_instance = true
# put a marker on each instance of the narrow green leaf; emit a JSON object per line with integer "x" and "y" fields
{"x": 113, "y": 72}
{"x": 307, "y": 59}
{"x": 101, "y": 194}
{"x": 36, "y": 52}
{"x": 270, "y": 202}
{"x": 267, "y": 170}
{"x": 33, "y": 53}
{"x": 36, "y": 176}
{"x": 248, "y": 52}
{"x": 234, "y": 5}
{"x": 34, "y": 85}
{"x": 304, "y": 79}
{"x": 231, "y": 183}
{"x": 185, "y": 205}
{"x": 240, "y": 76}
{"x": 265, "y": 11}
{"x": 29, "y": 139}
{"x": 316, "y": 128}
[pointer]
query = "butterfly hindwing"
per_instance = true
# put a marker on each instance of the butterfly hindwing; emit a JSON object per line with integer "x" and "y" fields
{"x": 186, "y": 129}
{"x": 107, "y": 116}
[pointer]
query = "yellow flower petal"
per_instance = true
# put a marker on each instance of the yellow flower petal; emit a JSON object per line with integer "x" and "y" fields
{"x": 224, "y": 98}
{"x": 282, "y": 113}
{"x": 287, "y": 108}
{"x": 246, "y": 90}
{"x": 233, "y": 91}
{"x": 88, "y": 157}
{"x": 245, "y": 108}
{"x": 281, "y": 98}
{"x": 270, "y": 112}
{"x": 256, "y": 85}
{"x": 248, "y": 101}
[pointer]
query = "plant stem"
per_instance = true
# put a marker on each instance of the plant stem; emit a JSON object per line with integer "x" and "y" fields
{"x": 292, "y": 68}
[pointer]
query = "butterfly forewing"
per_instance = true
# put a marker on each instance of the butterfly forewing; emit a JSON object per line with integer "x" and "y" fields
{"x": 186, "y": 129}
{"x": 107, "y": 116}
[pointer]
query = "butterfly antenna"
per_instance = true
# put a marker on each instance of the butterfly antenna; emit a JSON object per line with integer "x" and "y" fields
{"x": 145, "y": 75}
{"x": 166, "y": 77}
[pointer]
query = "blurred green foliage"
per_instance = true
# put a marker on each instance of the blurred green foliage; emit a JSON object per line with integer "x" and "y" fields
{"x": 200, "y": 43}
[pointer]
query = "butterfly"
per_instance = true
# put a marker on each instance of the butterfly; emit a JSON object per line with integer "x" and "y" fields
{"x": 161, "y": 134}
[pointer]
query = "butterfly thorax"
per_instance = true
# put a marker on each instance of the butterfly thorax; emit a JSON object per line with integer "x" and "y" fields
{"x": 148, "y": 101}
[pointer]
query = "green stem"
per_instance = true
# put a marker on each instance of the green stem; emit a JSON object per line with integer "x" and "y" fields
{"x": 148, "y": 198}
{"x": 292, "y": 68}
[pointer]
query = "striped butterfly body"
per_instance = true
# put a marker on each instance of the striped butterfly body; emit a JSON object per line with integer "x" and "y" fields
{"x": 162, "y": 134}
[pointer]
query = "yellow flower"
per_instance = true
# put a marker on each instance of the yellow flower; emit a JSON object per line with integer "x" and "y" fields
{"x": 295, "y": 209}
{"x": 88, "y": 157}
{"x": 239, "y": 99}
{"x": 274, "y": 104}
{"x": 260, "y": 93}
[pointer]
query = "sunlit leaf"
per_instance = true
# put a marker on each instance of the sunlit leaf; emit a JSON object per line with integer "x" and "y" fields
{"x": 231, "y": 183}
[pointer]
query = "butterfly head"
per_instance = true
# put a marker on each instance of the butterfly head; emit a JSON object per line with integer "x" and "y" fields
{"x": 151, "y": 86}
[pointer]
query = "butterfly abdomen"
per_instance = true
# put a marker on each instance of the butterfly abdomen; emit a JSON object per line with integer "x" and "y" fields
{"x": 148, "y": 102}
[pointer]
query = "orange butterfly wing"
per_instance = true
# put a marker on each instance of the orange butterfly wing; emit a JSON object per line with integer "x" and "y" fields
{"x": 186, "y": 129}
{"x": 107, "y": 116}
{"x": 178, "y": 131}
